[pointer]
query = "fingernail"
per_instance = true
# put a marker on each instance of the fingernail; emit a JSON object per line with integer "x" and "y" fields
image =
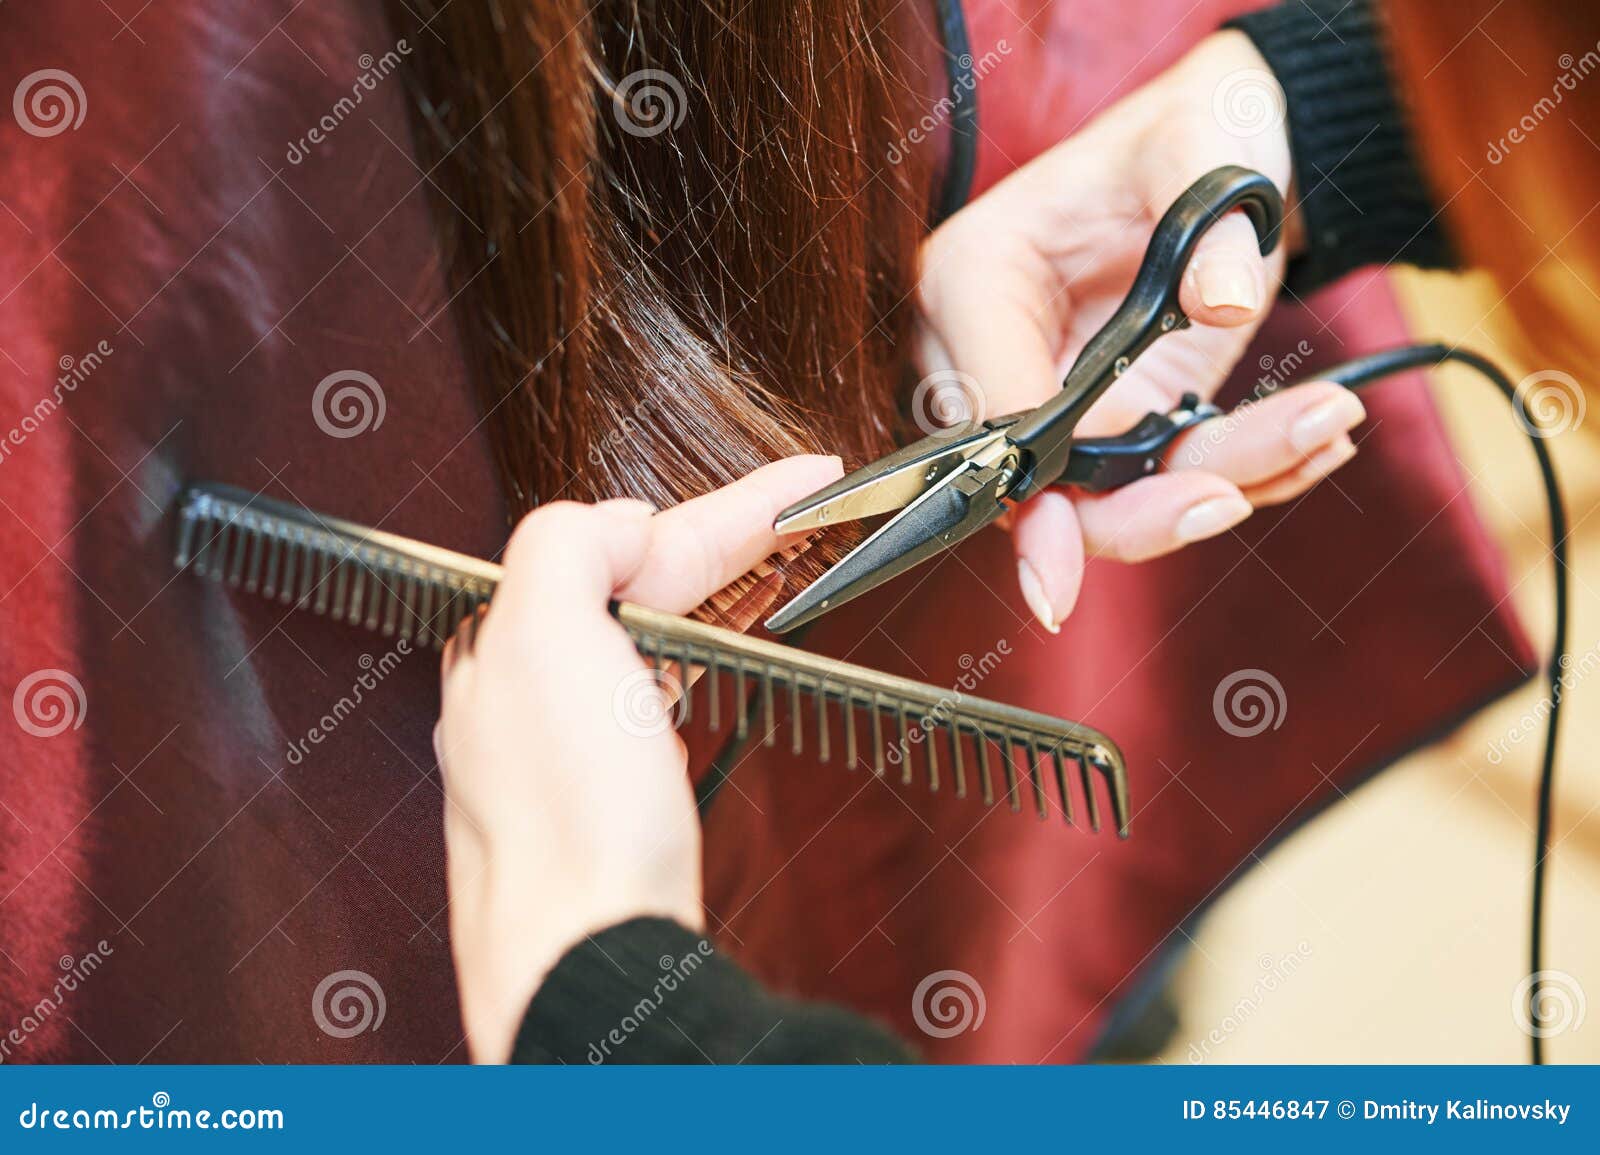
{"x": 1033, "y": 593}
{"x": 1210, "y": 518}
{"x": 1331, "y": 458}
{"x": 1226, "y": 282}
{"x": 1316, "y": 427}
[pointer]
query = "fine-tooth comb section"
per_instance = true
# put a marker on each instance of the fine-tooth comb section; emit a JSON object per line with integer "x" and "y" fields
{"x": 399, "y": 587}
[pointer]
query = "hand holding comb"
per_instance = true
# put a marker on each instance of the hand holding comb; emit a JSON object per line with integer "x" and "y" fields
{"x": 400, "y": 587}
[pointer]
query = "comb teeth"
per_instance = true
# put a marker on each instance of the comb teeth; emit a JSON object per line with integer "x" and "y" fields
{"x": 378, "y": 581}
{"x": 396, "y": 586}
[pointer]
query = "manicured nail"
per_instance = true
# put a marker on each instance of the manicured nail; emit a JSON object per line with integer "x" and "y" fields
{"x": 1226, "y": 282}
{"x": 1331, "y": 458}
{"x": 1316, "y": 427}
{"x": 1210, "y": 518}
{"x": 1033, "y": 593}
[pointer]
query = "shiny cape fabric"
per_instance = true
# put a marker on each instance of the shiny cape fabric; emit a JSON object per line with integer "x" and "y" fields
{"x": 233, "y": 810}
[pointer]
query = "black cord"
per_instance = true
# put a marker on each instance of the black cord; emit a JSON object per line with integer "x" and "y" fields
{"x": 1366, "y": 370}
{"x": 722, "y": 766}
{"x": 1358, "y": 374}
{"x": 963, "y": 97}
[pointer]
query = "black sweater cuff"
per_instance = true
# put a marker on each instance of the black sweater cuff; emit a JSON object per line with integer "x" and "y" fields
{"x": 650, "y": 991}
{"x": 1362, "y": 195}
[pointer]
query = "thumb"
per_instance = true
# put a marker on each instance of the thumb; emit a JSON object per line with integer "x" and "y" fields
{"x": 992, "y": 318}
{"x": 1226, "y": 282}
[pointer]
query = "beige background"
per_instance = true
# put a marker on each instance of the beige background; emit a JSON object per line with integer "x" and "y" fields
{"x": 1403, "y": 912}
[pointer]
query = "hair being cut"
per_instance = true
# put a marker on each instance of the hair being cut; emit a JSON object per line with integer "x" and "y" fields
{"x": 680, "y": 247}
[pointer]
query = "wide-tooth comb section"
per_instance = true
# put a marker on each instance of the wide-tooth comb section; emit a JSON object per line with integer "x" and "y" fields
{"x": 286, "y": 554}
{"x": 837, "y": 690}
{"x": 391, "y": 584}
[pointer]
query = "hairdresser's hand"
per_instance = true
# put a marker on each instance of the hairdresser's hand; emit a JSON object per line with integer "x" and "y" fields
{"x": 1013, "y": 286}
{"x": 568, "y": 808}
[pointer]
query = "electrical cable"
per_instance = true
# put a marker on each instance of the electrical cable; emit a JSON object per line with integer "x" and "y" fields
{"x": 1367, "y": 370}
{"x": 1356, "y": 375}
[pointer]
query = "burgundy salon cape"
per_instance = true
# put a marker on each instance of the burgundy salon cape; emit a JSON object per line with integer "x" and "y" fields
{"x": 169, "y": 816}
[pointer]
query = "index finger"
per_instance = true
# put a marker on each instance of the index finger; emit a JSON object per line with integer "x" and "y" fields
{"x": 704, "y": 544}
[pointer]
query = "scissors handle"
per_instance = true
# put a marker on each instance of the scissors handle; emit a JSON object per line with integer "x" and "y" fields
{"x": 1150, "y": 310}
{"x": 1098, "y": 464}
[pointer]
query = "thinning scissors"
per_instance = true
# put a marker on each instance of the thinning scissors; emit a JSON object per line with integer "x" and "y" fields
{"x": 953, "y": 483}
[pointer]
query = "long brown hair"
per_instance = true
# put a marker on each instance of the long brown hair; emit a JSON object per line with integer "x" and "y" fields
{"x": 681, "y": 247}
{"x": 1506, "y": 99}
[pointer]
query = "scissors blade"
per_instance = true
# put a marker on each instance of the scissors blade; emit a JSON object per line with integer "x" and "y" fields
{"x": 890, "y": 483}
{"x": 953, "y": 508}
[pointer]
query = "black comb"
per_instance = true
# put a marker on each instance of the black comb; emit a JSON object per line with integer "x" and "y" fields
{"x": 408, "y": 589}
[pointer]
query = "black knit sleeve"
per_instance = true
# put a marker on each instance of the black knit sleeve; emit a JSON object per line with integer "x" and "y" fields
{"x": 1362, "y": 194}
{"x": 650, "y": 991}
